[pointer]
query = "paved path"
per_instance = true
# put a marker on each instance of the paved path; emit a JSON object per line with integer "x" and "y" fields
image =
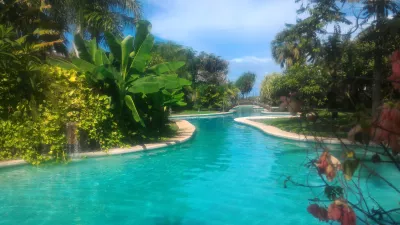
{"x": 274, "y": 131}
{"x": 185, "y": 132}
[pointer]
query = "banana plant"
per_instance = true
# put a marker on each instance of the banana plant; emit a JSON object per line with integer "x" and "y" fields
{"x": 125, "y": 67}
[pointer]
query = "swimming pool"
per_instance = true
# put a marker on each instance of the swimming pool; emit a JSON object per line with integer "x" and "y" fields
{"x": 227, "y": 174}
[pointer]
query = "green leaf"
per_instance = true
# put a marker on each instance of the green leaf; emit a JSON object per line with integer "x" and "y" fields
{"x": 181, "y": 103}
{"x": 179, "y": 95}
{"x": 143, "y": 54}
{"x": 349, "y": 167}
{"x": 168, "y": 67}
{"x": 114, "y": 44}
{"x": 146, "y": 85}
{"x": 127, "y": 48}
{"x": 173, "y": 82}
{"x": 165, "y": 92}
{"x": 142, "y": 32}
{"x": 102, "y": 73}
{"x": 132, "y": 78}
{"x": 83, "y": 65}
{"x": 106, "y": 60}
{"x": 22, "y": 39}
{"x": 98, "y": 58}
{"x": 61, "y": 63}
{"x": 131, "y": 105}
{"x": 81, "y": 47}
{"x": 92, "y": 49}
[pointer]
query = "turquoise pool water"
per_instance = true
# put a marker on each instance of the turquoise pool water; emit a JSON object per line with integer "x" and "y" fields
{"x": 227, "y": 174}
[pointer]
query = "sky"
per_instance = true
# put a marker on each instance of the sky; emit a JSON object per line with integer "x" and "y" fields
{"x": 239, "y": 31}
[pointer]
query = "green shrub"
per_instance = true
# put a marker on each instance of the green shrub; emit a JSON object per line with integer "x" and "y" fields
{"x": 36, "y": 132}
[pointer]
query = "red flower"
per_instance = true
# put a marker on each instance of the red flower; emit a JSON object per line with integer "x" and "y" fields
{"x": 318, "y": 212}
{"x": 386, "y": 129}
{"x": 326, "y": 166}
{"x": 341, "y": 212}
{"x": 395, "y": 77}
{"x": 293, "y": 106}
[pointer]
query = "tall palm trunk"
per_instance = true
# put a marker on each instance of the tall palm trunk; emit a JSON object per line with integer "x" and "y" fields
{"x": 378, "y": 63}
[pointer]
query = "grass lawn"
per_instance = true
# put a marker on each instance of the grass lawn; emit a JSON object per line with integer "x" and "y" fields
{"x": 193, "y": 112}
{"x": 323, "y": 127}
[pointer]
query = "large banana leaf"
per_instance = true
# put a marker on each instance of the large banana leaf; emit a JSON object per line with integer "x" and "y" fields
{"x": 146, "y": 85}
{"x": 173, "y": 82}
{"x": 126, "y": 49}
{"x": 131, "y": 105}
{"x": 102, "y": 73}
{"x": 142, "y": 55}
{"x": 106, "y": 60}
{"x": 151, "y": 84}
{"x": 83, "y": 65}
{"x": 167, "y": 67}
{"x": 142, "y": 31}
{"x": 55, "y": 61}
{"x": 92, "y": 48}
{"x": 82, "y": 49}
{"x": 114, "y": 44}
{"x": 98, "y": 58}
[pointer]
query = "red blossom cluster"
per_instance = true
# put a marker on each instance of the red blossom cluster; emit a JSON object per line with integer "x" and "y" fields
{"x": 386, "y": 129}
{"x": 337, "y": 211}
{"x": 395, "y": 77}
{"x": 342, "y": 213}
{"x": 325, "y": 166}
{"x": 318, "y": 212}
{"x": 293, "y": 105}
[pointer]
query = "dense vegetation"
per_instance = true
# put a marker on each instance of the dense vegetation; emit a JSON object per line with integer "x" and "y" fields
{"x": 106, "y": 91}
{"x": 340, "y": 72}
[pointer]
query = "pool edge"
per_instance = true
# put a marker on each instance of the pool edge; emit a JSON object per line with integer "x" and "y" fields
{"x": 276, "y": 132}
{"x": 185, "y": 133}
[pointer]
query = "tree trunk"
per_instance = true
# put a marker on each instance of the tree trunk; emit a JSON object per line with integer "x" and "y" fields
{"x": 378, "y": 67}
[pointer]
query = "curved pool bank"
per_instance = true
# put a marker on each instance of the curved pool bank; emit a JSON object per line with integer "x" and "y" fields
{"x": 208, "y": 115}
{"x": 185, "y": 133}
{"x": 276, "y": 132}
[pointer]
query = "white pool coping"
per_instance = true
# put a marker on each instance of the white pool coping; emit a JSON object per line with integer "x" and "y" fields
{"x": 275, "y": 113}
{"x": 201, "y": 115}
{"x": 185, "y": 133}
{"x": 276, "y": 132}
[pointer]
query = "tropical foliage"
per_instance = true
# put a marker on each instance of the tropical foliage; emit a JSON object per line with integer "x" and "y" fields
{"x": 246, "y": 82}
{"x": 219, "y": 97}
{"x": 33, "y": 128}
{"x": 207, "y": 72}
{"x": 124, "y": 75}
{"x": 268, "y": 92}
{"x": 114, "y": 91}
{"x": 343, "y": 72}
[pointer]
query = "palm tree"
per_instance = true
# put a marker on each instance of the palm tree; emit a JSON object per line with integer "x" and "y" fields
{"x": 37, "y": 22}
{"x": 94, "y": 17}
{"x": 380, "y": 9}
{"x": 285, "y": 49}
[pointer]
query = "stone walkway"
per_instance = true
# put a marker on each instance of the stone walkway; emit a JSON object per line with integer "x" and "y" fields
{"x": 185, "y": 132}
{"x": 274, "y": 131}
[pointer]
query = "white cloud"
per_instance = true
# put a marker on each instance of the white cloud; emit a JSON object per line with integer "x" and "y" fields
{"x": 251, "y": 59}
{"x": 188, "y": 21}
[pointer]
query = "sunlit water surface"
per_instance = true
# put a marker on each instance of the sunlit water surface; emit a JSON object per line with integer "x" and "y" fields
{"x": 227, "y": 174}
